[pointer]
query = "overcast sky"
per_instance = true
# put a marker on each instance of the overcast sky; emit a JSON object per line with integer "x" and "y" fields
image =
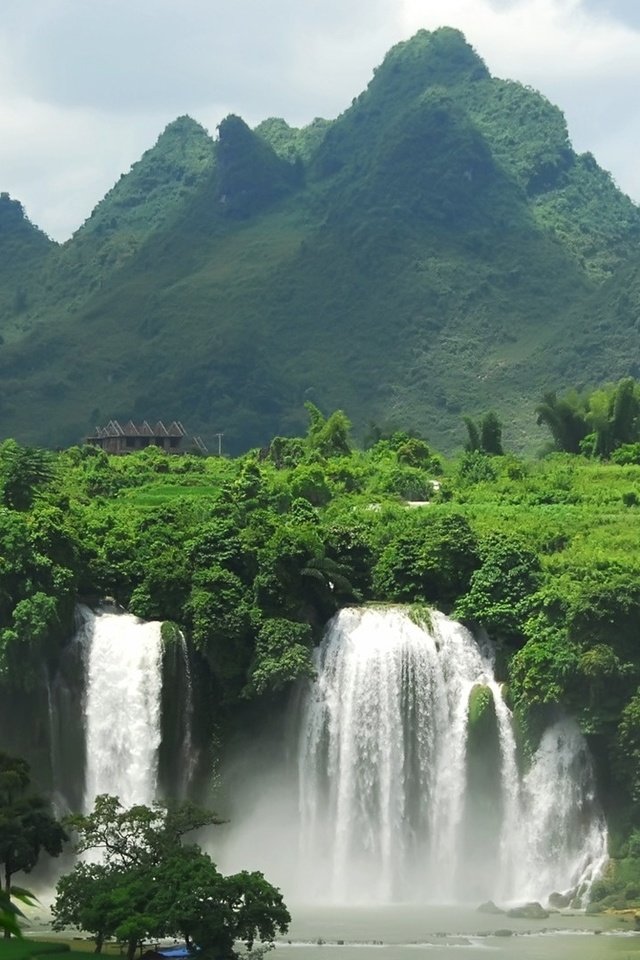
{"x": 88, "y": 85}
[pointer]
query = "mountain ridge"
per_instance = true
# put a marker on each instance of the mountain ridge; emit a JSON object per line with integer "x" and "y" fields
{"x": 433, "y": 251}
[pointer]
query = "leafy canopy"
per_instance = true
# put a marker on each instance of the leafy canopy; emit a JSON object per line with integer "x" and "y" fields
{"x": 152, "y": 882}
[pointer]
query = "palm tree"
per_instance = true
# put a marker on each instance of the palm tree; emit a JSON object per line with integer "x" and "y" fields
{"x": 565, "y": 418}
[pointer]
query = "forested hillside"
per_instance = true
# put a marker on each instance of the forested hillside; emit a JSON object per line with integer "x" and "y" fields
{"x": 437, "y": 249}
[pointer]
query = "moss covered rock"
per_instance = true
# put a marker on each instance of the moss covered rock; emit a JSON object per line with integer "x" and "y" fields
{"x": 560, "y": 900}
{"x": 171, "y": 634}
{"x": 529, "y": 911}
{"x": 481, "y": 707}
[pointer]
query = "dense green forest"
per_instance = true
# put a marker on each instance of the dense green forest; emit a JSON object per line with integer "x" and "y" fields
{"x": 437, "y": 249}
{"x": 252, "y": 555}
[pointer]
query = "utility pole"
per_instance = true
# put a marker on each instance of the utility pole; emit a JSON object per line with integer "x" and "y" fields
{"x": 219, "y": 436}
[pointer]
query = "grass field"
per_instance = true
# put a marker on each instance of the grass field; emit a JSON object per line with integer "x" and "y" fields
{"x": 26, "y": 948}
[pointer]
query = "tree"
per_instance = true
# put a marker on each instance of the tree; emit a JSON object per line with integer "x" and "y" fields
{"x": 597, "y": 424}
{"x": 139, "y": 836}
{"x": 26, "y": 824}
{"x": 151, "y": 883}
{"x": 491, "y": 435}
{"x": 283, "y": 654}
{"x": 214, "y": 911}
{"x": 473, "y": 435}
{"x": 329, "y": 437}
{"x": 599, "y": 418}
{"x": 626, "y": 409}
{"x": 22, "y": 471}
{"x": 501, "y": 588}
{"x": 84, "y": 901}
{"x": 613, "y": 415}
{"x": 219, "y": 612}
{"x": 628, "y": 747}
{"x": 565, "y": 418}
{"x": 414, "y": 453}
{"x": 10, "y": 913}
{"x": 432, "y": 560}
{"x": 485, "y": 436}
{"x": 309, "y": 483}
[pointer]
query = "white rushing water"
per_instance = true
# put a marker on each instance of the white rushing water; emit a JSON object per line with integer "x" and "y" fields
{"x": 189, "y": 753}
{"x": 386, "y": 812}
{"x": 122, "y": 706}
{"x": 566, "y": 835}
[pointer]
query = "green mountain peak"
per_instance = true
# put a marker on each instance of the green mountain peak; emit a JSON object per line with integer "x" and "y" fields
{"x": 182, "y": 156}
{"x": 14, "y": 221}
{"x": 147, "y": 198}
{"x": 250, "y": 174}
{"x": 23, "y": 249}
{"x": 184, "y": 126}
{"x": 440, "y": 57}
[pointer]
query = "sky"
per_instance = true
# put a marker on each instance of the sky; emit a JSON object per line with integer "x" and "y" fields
{"x": 88, "y": 85}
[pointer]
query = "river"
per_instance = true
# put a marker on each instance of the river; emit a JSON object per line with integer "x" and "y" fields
{"x": 398, "y": 932}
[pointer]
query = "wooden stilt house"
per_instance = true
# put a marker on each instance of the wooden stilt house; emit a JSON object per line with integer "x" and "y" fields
{"x": 129, "y": 437}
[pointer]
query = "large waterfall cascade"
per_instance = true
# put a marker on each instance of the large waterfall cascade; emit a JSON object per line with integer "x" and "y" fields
{"x": 122, "y": 706}
{"x": 388, "y": 807}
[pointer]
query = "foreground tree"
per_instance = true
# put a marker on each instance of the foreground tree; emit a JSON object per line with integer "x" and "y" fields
{"x": 27, "y": 826}
{"x": 10, "y": 912}
{"x": 152, "y": 884}
{"x": 85, "y": 901}
{"x": 139, "y": 836}
{"x": 194, "y": 900}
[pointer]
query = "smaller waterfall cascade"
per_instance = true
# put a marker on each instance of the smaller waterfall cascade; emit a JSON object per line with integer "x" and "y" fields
{"x": 122, "y": 706}
{"x": 386, "y": 805}
{"x": 566, "y": 833}
{"x": 189, "y": 752}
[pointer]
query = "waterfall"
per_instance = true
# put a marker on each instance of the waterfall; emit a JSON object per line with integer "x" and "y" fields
{"x": 189, "y": 755}
{"x": 53, "y": 765}
{"x": 386, "y": 810}
{"x": 122, "y": 706}
{"x": 566, "y": 834}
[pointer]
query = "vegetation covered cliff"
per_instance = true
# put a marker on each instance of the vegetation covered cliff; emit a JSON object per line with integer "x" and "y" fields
{"x": 251, "y": 556}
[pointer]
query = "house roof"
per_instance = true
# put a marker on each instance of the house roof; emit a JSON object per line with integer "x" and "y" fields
{"x": 130, "y": 429}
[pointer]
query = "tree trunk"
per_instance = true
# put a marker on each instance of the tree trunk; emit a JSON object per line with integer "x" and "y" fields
{"x": 131, "y": 948}
{"x": 99, "y": 942}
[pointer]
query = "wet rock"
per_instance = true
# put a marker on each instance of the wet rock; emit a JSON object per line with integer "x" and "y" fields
{"x": 503, "y": 933}
{"x": 560, "y": 900}
{"x": 489, "y": 907}
{"x": 529, "y": 911}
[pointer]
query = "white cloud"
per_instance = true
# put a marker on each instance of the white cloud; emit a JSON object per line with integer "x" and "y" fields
{"x": 60, "y": 162}
{"x": 578, "y": 54}
{"x": 542, "y": 42}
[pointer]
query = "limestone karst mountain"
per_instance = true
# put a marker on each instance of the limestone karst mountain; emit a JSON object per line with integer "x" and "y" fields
{"x": 437, "y": 249}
